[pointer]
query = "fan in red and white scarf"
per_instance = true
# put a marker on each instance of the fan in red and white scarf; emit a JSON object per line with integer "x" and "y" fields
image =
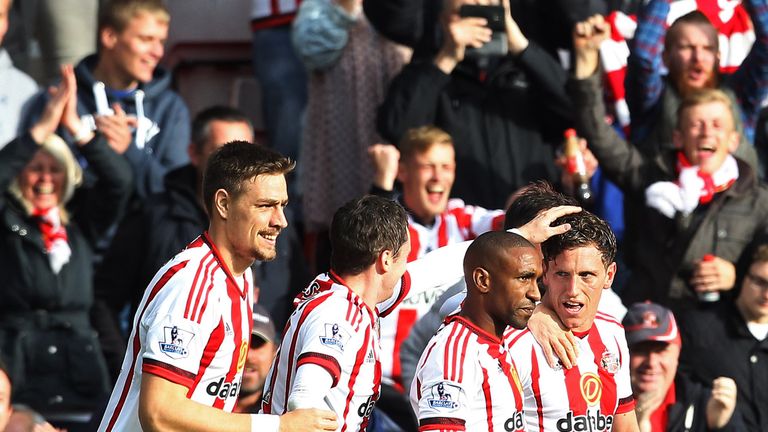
{"x": 49, "y": 213}
{"x": 693, "y": 187}
{"x": 728, "y": 16}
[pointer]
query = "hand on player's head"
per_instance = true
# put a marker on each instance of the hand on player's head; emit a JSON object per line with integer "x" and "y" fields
{"x": 539, "y": 229}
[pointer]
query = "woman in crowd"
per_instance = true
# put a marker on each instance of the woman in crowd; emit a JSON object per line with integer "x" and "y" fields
{"x": 46, "y": 256}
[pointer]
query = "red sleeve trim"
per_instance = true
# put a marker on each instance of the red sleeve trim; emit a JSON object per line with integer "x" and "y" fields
{"x": 626, "y": 405}
{"x": 324, "y": 361}
{"x": 171, "y": 373}
{"x": 441, "y": 423}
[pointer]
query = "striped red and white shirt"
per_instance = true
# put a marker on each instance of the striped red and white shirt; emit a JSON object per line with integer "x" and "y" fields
{"x": 467, "y": 380}
{"x": 333, "y": 328}
{"x": 457, "y": 224}
{"x": 192, "y": 328}
{"x": 585, "y": 397}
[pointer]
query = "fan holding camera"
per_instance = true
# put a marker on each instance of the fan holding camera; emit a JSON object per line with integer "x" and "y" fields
{"x": 478, "y": 31}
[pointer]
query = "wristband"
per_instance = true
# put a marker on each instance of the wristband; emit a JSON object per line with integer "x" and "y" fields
{"x": 265, "y": 423}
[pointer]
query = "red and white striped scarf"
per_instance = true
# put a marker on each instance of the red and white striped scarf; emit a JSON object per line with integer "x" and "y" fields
{"x": 692, "y": 187}
{"x": 54, "y": 237}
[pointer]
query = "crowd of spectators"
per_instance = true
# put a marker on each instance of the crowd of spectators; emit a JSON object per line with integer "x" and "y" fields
{"x": 102, "y": 165}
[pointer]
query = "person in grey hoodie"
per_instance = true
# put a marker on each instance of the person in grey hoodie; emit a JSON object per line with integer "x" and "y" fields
{"x": 122, "y": 91}
{"x": 17, "y": 86}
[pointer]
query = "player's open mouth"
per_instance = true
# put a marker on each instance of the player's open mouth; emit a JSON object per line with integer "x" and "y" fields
{"x": 573, "y": 307}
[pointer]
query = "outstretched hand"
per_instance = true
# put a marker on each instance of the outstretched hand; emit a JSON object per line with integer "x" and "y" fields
{"x": 587, "y": 37}
{"x": 460, "y": 32}
{"x": 539, "y": 229}
{"x": 54, "y": 109}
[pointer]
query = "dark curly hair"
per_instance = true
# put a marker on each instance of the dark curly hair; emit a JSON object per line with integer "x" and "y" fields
{"x": 586, "y": 230}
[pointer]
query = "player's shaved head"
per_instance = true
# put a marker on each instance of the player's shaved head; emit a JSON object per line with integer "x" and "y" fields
{"x": 488, "y": 251}
{"x": 501, "y": 270}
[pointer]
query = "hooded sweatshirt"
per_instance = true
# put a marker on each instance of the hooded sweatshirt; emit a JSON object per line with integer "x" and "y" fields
{"x": 16, "y": 88}
{"x": 161, "y": 138}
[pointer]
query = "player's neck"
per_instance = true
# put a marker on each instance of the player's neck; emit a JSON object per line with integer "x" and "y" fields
{"x": 366, "y": 285}
{"x": 481, "y": 319}
{"x": 236, "y": 264}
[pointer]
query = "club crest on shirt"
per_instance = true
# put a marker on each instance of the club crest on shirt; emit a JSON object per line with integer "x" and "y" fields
{"x": 311, "y": 290}
{"x": 610, "y": 362}
{"x": 443, "y": 396}
{"x": 175, "y": 342}
{"x": 335, "y": 336}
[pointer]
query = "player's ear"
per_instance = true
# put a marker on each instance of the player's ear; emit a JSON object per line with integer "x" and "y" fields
{"x": 481, "y": 279}
{"x": 221, "y": 203}
{"x": 385, "y": 260}
{"x": 610, "y": 273}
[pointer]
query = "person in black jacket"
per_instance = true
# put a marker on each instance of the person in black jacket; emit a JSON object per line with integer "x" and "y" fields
{"x": 503, "y": 112}
{"x": 667, "y": 400}
{"x": 168, "y": 221}
{"x": 731, "y": 339}
{"x": 46, "y": 257}
{"x": 411, "y": 22}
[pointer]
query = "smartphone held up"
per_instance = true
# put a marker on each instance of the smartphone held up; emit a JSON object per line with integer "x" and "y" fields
{"x": 494, "y": 15}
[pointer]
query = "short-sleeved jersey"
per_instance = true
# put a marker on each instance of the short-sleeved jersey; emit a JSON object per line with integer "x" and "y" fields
{"x": 467, "y": 380}
{"x": 585, "y": 397}
{"x": 192, "y": 328}
{"x": 333, "y": 328}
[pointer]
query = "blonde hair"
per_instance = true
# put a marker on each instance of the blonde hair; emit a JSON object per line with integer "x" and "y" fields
{"x": 419, "y": 140}
{"x": 116, "y": 14}
{"x": 58, "y": 148}
{"x": 701, "y": 97}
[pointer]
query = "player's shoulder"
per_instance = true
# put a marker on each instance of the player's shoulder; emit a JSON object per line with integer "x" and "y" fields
{"x": 516, "y": 339}
{"x": 334, "y": 306}
{"x": 445, "y": 354}
{"x": 607, "y": 321}
{"x": 456, "y": 339}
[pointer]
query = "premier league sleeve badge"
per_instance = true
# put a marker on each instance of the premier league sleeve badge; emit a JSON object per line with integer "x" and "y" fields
{"x": 175, "y": 342}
